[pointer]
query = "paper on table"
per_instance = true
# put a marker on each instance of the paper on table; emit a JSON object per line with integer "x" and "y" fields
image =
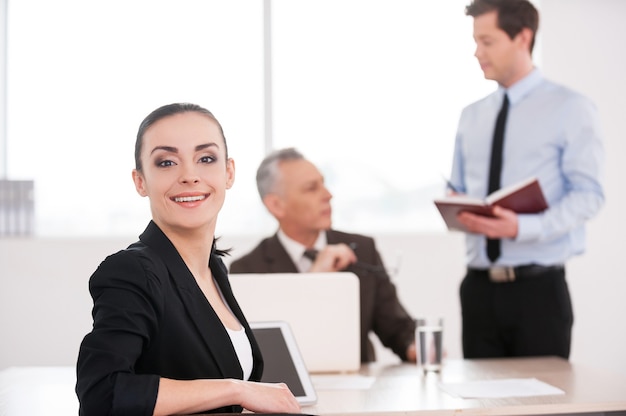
{"x": 342, "y": 382}
{"x": 511, "y": 387}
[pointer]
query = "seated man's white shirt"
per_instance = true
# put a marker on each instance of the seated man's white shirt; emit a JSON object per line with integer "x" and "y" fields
{"x": 296, "y": 250}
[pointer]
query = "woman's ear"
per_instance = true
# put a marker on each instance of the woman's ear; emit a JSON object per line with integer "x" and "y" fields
{"x": 230, "y": 173}
{"x": 140, "y": 184}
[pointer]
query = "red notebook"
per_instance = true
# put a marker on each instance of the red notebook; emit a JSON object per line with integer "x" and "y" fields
{"x": 525, "y": 197}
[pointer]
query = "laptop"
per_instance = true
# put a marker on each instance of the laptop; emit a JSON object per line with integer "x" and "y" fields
{"x": 322, "y": 309}
{"x": 283, "y": 362}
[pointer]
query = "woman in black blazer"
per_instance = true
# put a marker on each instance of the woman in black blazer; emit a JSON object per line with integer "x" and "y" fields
{"x": 168, "y": 335}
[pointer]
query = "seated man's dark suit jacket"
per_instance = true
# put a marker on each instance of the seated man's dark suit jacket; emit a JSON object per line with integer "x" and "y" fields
{"x": 152, "y": 320}
{"x": 381, "y": 310}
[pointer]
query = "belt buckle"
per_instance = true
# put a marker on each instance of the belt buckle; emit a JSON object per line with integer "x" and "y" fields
{"x": 502, "y": 274}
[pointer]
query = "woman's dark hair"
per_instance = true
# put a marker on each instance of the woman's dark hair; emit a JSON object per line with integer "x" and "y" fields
{"x": 166, "y": 111}
{"x": 170, "y": 110}
{"x": 513, "y": 15}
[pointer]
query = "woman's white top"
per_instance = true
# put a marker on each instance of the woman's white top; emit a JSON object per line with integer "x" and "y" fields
{"x": 240, "y": 342}
{"x": 243, "y": 349}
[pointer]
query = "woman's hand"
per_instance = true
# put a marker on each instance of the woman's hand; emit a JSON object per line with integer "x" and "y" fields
{"x": 268, "y": 397}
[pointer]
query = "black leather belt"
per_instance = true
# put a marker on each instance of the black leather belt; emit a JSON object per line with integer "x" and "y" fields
{"x": 510, "y": 274}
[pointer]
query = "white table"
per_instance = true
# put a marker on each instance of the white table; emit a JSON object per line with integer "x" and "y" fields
{"x": 32, "y": 391}
{"x": 388, "y": 390}
{"x": 404, "y": 390}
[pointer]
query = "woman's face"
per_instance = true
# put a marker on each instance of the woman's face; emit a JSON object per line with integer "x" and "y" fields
{"x": 185, "y": 172}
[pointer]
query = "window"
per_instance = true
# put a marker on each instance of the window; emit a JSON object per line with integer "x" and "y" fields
{"x": 372, "y": 90}
{"x": 357, "y": 85}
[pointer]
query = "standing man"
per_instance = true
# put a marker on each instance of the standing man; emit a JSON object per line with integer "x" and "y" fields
{"x": 293, "y": 191}
{"x": 514, "y": 298}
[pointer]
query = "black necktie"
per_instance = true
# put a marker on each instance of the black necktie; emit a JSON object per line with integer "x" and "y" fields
{"x": 495, "y": 168}
{"x": 310, "y": 253}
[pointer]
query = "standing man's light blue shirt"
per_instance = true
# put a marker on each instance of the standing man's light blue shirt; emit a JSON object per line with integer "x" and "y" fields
{"x": 552, "y": 133}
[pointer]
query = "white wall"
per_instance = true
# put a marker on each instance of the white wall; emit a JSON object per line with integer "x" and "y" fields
{"x": 45, "y": 307}
{"x": 582, "y": 41}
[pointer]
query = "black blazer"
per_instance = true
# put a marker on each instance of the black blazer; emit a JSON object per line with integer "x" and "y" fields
{"x": 152, "y": 320}
{"x": 381, "y": 310}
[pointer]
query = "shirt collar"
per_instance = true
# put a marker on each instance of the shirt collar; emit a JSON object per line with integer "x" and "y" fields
{"x": 295, "y": 249}
{"x": 523, "y": 87}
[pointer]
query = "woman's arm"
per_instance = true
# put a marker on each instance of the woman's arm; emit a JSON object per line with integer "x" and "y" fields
{"x": 191, "y": 396}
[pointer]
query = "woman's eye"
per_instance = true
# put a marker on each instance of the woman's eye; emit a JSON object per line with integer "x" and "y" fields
{"x": 207, "y": 159}
{"x": 165, "y": 163}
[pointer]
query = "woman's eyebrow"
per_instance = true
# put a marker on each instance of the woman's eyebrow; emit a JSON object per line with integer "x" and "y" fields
{"x": 206, "y": 146}
{"x": 169, "y": 149}
{"x": 172, "y": 149}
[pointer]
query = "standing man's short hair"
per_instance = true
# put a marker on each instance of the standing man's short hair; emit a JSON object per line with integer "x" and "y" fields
{"x": 513, "y": 15}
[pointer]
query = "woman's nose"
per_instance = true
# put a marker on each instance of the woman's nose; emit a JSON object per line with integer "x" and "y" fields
{"x": 189, "y": 176}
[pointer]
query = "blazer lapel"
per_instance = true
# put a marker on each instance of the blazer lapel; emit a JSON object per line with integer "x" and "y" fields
{"x": 332, "y": 237}
{"x": 276, "y": 257}
{"x": 200, "y": 311}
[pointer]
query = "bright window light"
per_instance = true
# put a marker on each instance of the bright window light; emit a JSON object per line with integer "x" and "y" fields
{"x": 369, "y": 90}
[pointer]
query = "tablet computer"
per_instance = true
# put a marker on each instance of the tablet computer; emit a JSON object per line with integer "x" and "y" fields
{"x": 283, "y": 362}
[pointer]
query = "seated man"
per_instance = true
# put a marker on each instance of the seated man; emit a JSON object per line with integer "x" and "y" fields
{"x": 293, "y": 191}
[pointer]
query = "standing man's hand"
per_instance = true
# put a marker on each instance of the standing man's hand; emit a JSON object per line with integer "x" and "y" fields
{"x": 504, "y": 223}
{"x": 333, "y": 258}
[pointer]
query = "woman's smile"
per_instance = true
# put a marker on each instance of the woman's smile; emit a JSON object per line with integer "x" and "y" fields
{"x": 190, "y": 198}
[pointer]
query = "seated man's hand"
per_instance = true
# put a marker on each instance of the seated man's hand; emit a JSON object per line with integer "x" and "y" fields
{"x": 333, "y": 258}
{"x": 411, "y": 353}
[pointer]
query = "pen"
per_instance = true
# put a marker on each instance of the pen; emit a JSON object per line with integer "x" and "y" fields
{"x": 449, "y": 184}
{"x": 366, "y": 266}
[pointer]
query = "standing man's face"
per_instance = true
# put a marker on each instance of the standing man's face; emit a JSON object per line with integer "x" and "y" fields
{"x": 501, "y": 58}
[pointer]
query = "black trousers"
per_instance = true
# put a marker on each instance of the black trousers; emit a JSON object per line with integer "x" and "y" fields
{"x": 531, "y": 316}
